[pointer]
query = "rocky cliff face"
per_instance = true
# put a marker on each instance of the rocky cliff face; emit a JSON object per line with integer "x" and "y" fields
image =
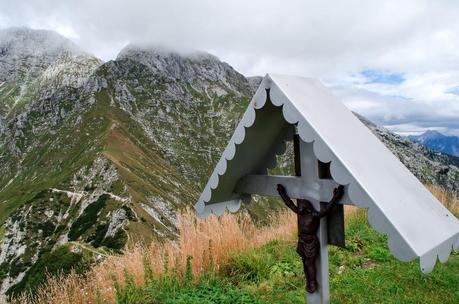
{"x": 186, "y": 103}
{"x": 45, "y": 87}
{"x": 27, "y": 52}
{"x": 35, "y": 63}
{"x": 102, "y": 154}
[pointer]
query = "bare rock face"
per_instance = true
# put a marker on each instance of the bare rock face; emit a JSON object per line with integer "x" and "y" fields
{"x": 187, "y": 103}
{"x": 36, "y": 63}
{"x": 26, "y": 52}
{"x": 200, "y": 69}
{"x": 90, "y": 210}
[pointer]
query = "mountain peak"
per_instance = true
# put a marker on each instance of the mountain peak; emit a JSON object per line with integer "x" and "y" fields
{"x": 23, "y": 40}
{"x": 29, "y": 51}
{"x": 438, "y": 142}
{"x": 432, "y": 134}
{"x": 169, "y": 61}
{"x": 163, "y": 51}
{"x": 34, "y": 64}
{"x": 195, "y": 67}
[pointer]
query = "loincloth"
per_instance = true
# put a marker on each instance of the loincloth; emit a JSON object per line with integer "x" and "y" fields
{"x": 308, "y": 246}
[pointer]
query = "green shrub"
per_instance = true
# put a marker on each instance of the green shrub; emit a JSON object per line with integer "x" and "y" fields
{"x": 88, "y": 218}
{"x": 60, "y": 261}
{"x": 204, "y": 291}
{"x": 130, "y": 293}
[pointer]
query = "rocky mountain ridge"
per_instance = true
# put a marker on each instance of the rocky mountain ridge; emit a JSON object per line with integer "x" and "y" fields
{"x": 194, "y": 67}
{"x": 107, "y": 153}
{"x": 429, "y": 166}
{"x": 22, "y": 48}
{"x": 438, "y": 142}
{"x": 35, "y": 63}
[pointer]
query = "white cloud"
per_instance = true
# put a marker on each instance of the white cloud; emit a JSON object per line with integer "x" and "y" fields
{"x": 330, "y": 40}
{"x": 402, "y": 115}
{"x": 410, "y": 129}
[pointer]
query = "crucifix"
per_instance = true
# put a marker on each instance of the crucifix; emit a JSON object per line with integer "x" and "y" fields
{"x": 329, "y": 141}
{"x": 318, "y": 197}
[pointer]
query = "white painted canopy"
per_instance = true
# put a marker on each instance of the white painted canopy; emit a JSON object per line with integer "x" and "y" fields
{"x": 398, "y": 205}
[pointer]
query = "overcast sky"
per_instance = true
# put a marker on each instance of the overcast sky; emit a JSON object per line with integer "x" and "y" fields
{"x": 396, "y": 62}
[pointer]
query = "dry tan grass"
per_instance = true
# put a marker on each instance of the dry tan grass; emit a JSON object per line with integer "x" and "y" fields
{"x": 200, "y": 239}
{"x": 218, "y": 237}
{"x": 450, "y": 200}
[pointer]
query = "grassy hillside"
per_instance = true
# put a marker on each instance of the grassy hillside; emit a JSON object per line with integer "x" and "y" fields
{"x": 273, "y": 274}
{"x": 231, "y": 260}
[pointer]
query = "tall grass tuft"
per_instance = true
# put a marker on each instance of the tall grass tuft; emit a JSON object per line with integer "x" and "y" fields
{"x": 450, "y": 200}
{"x": 203, "y": 246}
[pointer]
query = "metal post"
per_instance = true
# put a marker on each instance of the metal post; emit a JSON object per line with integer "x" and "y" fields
{"x": 306, "y": 166}
{"x": 322, "y": 295}
{"x": 296, "y": 153}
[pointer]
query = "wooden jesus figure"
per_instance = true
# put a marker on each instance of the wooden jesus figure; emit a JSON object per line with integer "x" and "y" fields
{"x": 308, "y": 225}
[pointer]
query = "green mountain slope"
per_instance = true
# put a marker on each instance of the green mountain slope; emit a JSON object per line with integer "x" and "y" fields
{"x": 101, "y": 165}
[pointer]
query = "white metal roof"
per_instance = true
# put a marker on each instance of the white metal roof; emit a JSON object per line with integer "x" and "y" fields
{"x": 398, "y": 205}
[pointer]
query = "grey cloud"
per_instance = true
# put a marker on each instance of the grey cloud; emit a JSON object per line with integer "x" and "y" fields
{"x": 405, "y": 115}
{"x": 330, "y": 40}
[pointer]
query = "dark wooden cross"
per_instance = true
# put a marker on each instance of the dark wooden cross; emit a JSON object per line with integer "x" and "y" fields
{"x": 312, "y": 182}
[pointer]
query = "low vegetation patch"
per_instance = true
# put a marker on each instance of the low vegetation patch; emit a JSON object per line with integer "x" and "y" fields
{"x": 88, "y": 218}
{"x": 61, "y": 261}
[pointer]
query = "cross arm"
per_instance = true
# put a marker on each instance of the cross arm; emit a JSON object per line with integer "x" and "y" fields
{"x": 296, "y": 187}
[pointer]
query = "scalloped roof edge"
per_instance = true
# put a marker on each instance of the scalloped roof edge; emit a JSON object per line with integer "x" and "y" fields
{"x": 359, "y": 161}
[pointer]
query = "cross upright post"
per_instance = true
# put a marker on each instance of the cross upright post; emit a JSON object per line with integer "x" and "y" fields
{"x": 306, "y": 166}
